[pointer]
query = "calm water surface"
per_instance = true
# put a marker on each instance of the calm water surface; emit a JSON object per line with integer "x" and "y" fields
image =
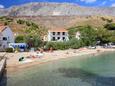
{"x": 94, "y": 71}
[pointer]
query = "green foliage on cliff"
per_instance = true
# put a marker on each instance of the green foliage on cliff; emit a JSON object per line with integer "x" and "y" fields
{"x": 90, "y": 35}
{"x": 110, "y": 26}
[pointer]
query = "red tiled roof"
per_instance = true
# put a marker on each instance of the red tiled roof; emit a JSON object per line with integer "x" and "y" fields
{"x": 2, "y": 28}
{"x": 58, "y": 30}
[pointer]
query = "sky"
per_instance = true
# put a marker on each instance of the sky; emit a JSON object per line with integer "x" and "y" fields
{"x": 89, "y": 3}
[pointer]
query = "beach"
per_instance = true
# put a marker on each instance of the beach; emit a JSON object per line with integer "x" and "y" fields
{"x": 13, "y": 63}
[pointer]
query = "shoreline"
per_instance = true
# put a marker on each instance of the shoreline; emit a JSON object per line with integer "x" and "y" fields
{"x": 13, "y": 66}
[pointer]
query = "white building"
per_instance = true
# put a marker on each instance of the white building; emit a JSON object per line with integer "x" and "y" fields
{"x": 6, "y": 37}
{"x": 57, "y": 35}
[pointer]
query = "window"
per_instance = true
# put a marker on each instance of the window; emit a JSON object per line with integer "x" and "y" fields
{"x": 63, "y": 38}
{"x": 63, "y": 33}
{"x": 54, "y": 39}
{"x": 58, "y": 38}
{"x": 58, "y": 33}
{"x": 4, "y": 38}
{"x": 53, "y": 33}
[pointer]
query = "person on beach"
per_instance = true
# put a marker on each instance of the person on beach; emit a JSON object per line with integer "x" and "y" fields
{"x": 41, "y": 50}
{"x": 98, "y": 51}
{"x": 51, "y": 49}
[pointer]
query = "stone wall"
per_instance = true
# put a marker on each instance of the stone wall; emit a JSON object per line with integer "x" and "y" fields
{"x": 2, "y": 67}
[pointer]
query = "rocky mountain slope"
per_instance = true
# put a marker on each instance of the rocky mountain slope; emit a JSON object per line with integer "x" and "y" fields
{"x": 55, "y": 9}
{"x": 56, "y": 15}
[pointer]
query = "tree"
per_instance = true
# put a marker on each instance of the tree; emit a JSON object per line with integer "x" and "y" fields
{"x": 20, "y": 21}
{"x": 33, "y": 41}
{"x": 19, "y": 39}
{"x": 28, "y": 23}
{"x": 112, "y": 37}
{"x": 107, "y": 20}
{"x": 6, "y": 23}
{"x": 110, "y": 26}
{"x": 72, "y": 32}
{"x": 103, "y": 35}
{"x": 74, "y": 43}
{"x": 35, "y": 29}
{"x": 88, "y": 35}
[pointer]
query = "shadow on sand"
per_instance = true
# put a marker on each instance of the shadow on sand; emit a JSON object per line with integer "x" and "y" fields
{"x": 3, "y": 81}
{"x": 93, "y": 79}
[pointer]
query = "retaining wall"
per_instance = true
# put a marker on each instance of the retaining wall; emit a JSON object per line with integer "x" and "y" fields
{"x": 2, "y": 67}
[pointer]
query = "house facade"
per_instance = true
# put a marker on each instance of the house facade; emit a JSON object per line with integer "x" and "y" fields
{"x": 57, "y": 35}
{"x": 6, "y": 37}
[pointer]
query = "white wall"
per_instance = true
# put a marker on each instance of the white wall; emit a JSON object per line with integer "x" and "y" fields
{"x": 50, "y": 36}
{"x": 9, "y": 35}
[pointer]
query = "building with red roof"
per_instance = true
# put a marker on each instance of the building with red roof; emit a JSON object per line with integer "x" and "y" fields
{"x": 58, "y": 34}
{"x": 6, "y": 37}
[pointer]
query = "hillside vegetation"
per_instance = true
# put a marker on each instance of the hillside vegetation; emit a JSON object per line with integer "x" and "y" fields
{"x": 22, "y": 26}
{"x": 19, "y": 24}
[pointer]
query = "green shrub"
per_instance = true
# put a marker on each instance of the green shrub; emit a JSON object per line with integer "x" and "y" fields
{"x": 61, "y": 45}
{"x": 19, "y": 39}
{"x": 28, "y": 23}
{"x": 72, "y": 32}
{"x": 73, "y": 43}
{"x": 9, "y": 50}
{"x": 50, "y": 44}
{"x": 110, "y": 26}
{"x": 20, "y": 21}
{"x": 6, "y": 23}
{"x": 17, "y": 49}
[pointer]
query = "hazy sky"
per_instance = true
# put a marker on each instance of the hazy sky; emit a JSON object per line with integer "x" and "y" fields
{"x": 8, "y": 3}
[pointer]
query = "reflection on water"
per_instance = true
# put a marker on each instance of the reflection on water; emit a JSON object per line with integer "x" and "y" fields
{"x": 93, "y": 79}
{"x": 94, "y": 71}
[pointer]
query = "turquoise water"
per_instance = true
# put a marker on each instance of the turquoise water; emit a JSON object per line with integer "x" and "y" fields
{"x": 93, "y": 71}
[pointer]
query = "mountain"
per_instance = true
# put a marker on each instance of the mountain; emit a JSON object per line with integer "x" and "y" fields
{"x": 4, "y": 12}
{"x": 56, "y": 15}
{"x": 55, "y": 9}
